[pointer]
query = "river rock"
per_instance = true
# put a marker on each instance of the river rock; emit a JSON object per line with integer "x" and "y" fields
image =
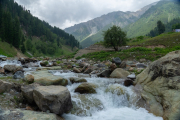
{"x": 88, "y": 70}
{"x": 29, "y": 78}
{"x": 128, "y": 82}
{"x": 44, "y": 63}
{"x": 27, "y": 92}
{"x": 31, "y": 64}
{"x": 76, "y": 70}
{"x": 19, "y": 75}
{"x": 82, "y": 64}
{"x": 122, "y": 65}
{"x": 77, "y": 80}
{"x": 18, "y": 114}
{"x": 117, "y": 61}
{"x": 46, "y": 78}
{"x": 113, "y": 67}
{"x": 56, "y": 99}
{"x": 2, "y": 71}
{"x": 89, "y": 103}
{"x": 116, "y": 89}
{"x": 160, "y": 83}
{"x": 119, "y": 73}
{"x": 105, "y": 73}
{"x": 141, "y": 65}
{"x": 5, "y": 86}
{"x": 132, "y": 76}
{"x": 27, "y": 60}
{"x": 86, "y": 88}
{"x": 12, "y": 68}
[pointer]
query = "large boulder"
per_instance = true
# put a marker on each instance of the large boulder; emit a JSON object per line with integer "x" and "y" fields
{"x": 5, "y": 86}
{"x": 19, "y": 114}
{"x": 12, "y": 68}
{"x": 119, "y": 73}
{"x": 88, "y": 88}
{"x": 46, "y": 78}
{"x": 19, "y": 75}
{"x": 27, "y": 92}
{"x": 117, "y": 61}
{"x": 160, "y": 83}
{"x": 56, "y": 99}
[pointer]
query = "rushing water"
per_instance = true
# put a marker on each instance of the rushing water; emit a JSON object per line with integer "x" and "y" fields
{"x": 105, "y": 105}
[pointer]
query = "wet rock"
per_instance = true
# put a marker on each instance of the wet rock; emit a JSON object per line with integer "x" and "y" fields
{"x": 101, "y": 65}
{"x": 82, "y": 64}
{"x": 160, "y": 83}
{"x": 128, "y": 82}
{"x": 77, "y": 80}
{"x": 113, "y": 67}
{"x": 131, "y": 69}
{"x": 27, "y": 92}
{"x": 19, "y": 75}
{"x": 44, "y": 63}
{"x": 122, "y": 65}
{"x": 55, "y": 64}
{"x": 12, "y": 68}
{"x": 88, "y": 70}
{"x": 46, "y": 78}
{"x": 76, "y": 70}
{"x": 89, "y": 103}
{"x": 2, "y": 71}
{"x": 56, "y": 99}
{"x": 105, "y": 73}
{"x": 84, "y": 88}
{"x": 27, "y": 60}
{"x": 116, "y": 89}
{"x": 132, "y": 76}
{"x": 117, "y": 61}
{"x": 119, "y": 73}
{"x": 31, "y": 64}
{"x": 5, "y": 86}
{"x": 29, "y": 78}
{"x": 49, "y": 68}
{"x": 18, "y": 114}
{"x": 141, "y": 65}
{"x": 69, "y": 66}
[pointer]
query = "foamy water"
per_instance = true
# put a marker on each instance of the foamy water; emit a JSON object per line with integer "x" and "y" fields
{"x": 105, "y": 105}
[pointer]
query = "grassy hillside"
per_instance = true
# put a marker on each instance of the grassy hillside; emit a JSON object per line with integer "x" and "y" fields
{"x": 146, "y": 48}
{"x": 164, "y": 11}
{"x": 7, "y": 49}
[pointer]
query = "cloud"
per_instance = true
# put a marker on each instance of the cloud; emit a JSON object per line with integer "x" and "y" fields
{"x": 65, "y": 13}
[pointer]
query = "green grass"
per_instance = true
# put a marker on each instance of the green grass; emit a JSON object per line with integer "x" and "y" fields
{"x": 7, "y": 50}
{"x": 131, "y": 54}
{"x": 167, "y": 40}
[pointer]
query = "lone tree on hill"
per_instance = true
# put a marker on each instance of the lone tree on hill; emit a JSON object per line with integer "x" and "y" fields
{"x": 114, "y": 37}
{"x": 161, "y": 27}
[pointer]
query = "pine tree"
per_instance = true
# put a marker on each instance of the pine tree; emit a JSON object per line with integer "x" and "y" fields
{"x": 16, "y": 40}
{"x": 23, "y": 49}
{"x": 161, "y": 27}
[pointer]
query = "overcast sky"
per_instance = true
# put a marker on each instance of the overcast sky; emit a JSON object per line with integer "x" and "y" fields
{"x": 66, "y": 13}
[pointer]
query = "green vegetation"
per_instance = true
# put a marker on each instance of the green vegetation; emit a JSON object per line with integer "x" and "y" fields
{"x": 145, "y": 47}
{"x": 164, "y": 11}
{"x": 7, "y": 50}
{"x": 25, "y": 32}
{"x": 114, "y": 37}
{"x": 161, "y": 27}
{"x": 167, "y": 40}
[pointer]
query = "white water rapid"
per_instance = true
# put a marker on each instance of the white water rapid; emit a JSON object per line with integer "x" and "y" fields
{"x": 111, "y": 102}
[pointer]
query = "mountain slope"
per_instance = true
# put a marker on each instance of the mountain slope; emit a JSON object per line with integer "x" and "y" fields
{"x": 164, "y": 11}
{"x": 90, "y": 32}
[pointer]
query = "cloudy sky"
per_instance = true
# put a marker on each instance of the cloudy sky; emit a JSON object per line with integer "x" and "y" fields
{"x": 66, "y": 13}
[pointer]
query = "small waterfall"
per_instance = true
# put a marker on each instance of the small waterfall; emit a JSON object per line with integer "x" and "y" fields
{"x": 111, "y": 102}
{"x": 10, "y": 62}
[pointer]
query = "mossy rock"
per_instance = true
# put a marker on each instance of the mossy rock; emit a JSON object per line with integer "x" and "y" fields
{"x": 77, "y": 80}
{"x": 86, "y": 88}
